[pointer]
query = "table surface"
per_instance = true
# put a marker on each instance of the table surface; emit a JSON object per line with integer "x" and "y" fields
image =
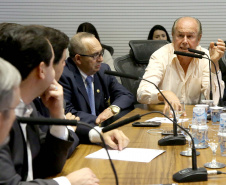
{"x": 159, "y": 171}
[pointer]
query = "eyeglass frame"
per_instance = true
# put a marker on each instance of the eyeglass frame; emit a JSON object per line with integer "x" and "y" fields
{"x": 95, "y": 55}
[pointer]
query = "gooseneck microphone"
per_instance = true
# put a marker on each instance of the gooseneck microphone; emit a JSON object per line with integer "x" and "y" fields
{"x": 196, "y": 51}
{"x": 221, "y": 103}
{"x": 187, "y": 54}
{"x": 48, "y": 121}
{"x": 174, "y": 139}
{"x": 121, "y": 123}
{"x": 203, "y": 53}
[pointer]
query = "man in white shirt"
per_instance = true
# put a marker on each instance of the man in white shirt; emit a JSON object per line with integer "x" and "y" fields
{"x": 181, "y": 78}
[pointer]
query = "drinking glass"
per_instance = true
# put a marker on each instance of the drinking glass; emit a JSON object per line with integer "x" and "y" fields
{"x": 213, "y": 144}
{"x": 188, "y": 151}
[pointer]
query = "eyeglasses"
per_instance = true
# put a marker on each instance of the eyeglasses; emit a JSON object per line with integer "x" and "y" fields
{"x": 95, "y": 55}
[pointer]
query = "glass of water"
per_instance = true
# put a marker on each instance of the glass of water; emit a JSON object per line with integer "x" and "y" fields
{"x": 213, "y": 144}
{"x": 188, "y": 151}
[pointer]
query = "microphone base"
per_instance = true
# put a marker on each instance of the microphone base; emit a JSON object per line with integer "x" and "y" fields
{"x": 190, "y": 175}
{"x": 172, "y": 140}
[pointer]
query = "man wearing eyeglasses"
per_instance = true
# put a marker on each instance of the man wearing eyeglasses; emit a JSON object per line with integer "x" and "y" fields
{"x": 89, "y": 93}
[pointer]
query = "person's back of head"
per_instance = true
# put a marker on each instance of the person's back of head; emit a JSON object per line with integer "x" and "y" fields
{"x": 155, "y": 28}
{"x": 58, "y": 40}
{"x": 25, "y": 48}
{"x": 89, "y": 28}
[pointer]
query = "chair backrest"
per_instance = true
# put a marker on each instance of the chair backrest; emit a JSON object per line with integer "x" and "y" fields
{"x": 222, "y": 65}
{"x": 109, "y": 48}
{"x": 136, "y": 62}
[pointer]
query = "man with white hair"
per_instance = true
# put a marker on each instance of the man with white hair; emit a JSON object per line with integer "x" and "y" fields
{"x": 9, "y": 97}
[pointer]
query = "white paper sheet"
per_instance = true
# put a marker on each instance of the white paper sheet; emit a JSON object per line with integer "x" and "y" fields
{"x": 128, "y": 154}
{"x": 166, "y": 120}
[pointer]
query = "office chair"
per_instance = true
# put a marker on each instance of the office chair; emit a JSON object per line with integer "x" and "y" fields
{"x": 136, "y": 62}
{"x": 222, "y": 65}
{"x": 109, "y": 48}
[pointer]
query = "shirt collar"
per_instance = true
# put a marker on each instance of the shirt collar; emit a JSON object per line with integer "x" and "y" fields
{"x": 23, "y": 110}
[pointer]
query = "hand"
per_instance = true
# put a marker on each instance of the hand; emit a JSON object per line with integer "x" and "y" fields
{"x": 173, "y": 100}
{"x": 216, "y": 52}
{"x": 116, "y": 139}
{"x": 107, "y": 113}
{"x": 53, "y": 100}
{"x": 70, "y": 116}
{"x": 84, "y": 176}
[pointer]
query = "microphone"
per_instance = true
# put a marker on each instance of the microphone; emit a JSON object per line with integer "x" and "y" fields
{"x": 221, "y": 103}
{"x": 114, "y": 73}
{"x": 196, "y": 51}
{"x": 168, "y": 140}
{"x": 203, "y": 53}
{"x": 121, "y": 123}
{"x": 193, "y": 174}
{"x": 187, "y": 54}
{"x": 47, "y": 121}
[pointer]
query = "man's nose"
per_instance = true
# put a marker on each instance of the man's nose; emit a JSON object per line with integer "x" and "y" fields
{"x": 185, "y": 39}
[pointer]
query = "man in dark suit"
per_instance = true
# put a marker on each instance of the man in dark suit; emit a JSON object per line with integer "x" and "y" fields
{"x": 59, "y": 41}
{"x": 30, "y": 153}
{"x": 108, "y": 98}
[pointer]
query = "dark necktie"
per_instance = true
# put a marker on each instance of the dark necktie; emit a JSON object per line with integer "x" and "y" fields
{"x": 89, "y": 89}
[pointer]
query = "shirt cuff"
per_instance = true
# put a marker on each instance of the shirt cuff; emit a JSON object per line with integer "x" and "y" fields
{"x": 94, "y": 137}
{"x": 59, "y": 132}
{"x": 62, "y": 180}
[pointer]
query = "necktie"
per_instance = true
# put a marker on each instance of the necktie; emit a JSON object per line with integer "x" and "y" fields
{"x": 89, "y": 89}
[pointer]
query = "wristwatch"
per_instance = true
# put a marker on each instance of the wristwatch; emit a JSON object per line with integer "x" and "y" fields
{"x": 115, "y": 109}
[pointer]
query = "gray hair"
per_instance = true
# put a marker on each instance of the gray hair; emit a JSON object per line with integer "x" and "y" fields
{"x": 76, "y": 44}
{"x": 198, "y": 22}
{"x": 9, "y": 79}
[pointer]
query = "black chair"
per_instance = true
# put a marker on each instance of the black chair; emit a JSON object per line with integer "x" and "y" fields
{"x": 109, "y": 48}
{"x": 136, "y": 62}
{"x": 222, "y": 65}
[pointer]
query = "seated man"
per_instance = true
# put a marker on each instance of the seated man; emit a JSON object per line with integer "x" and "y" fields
{"x": 9, "y": 98}
{"x": 89, "y": 93}
{"x": 30, "y": 153}
{"x": 59, "y": 40}
{"x": 181, "y": 78}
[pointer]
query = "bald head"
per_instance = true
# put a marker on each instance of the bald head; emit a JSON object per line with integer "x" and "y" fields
{"x": 187, "y": 20}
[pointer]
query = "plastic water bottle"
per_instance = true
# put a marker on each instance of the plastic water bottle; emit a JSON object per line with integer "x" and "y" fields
{"x": 199, "y": 127}
{"x": 222, "y": 134}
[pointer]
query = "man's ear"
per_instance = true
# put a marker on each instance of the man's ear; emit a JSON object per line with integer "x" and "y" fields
{"x": 77, "y": 59}
{"x": 41, "y": 70}
{"x": 199, "y": 38}
{"x": 1, "y": 119}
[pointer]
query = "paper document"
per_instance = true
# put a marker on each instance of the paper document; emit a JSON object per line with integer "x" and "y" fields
{"x": 128, "y": 154}
{"x": 166, "y": 120}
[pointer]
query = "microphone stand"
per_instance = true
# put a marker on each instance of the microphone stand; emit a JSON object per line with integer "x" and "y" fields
{"x": 174, "y": 139}
{"x": 221, "y": 103}
{"x": 193, "y": 174}
{"x": 169, "y": 140}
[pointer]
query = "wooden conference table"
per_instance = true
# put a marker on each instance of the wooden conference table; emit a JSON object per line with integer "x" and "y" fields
{"x": 159, "y": 171}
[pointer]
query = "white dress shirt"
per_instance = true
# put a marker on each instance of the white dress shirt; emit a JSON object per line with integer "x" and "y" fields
{"x": 165, "y": 71}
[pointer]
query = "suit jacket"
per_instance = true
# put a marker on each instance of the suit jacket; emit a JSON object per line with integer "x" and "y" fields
{"x": 44, "y": 147}
{"x": 81, "y": 131}
{"x": 107, "y": 91}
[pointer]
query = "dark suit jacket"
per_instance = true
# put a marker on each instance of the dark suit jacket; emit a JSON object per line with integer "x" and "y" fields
{"x": 81, "y": 131}
{"x": 107, "y": 91}
{"x": 13, "y": 156}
